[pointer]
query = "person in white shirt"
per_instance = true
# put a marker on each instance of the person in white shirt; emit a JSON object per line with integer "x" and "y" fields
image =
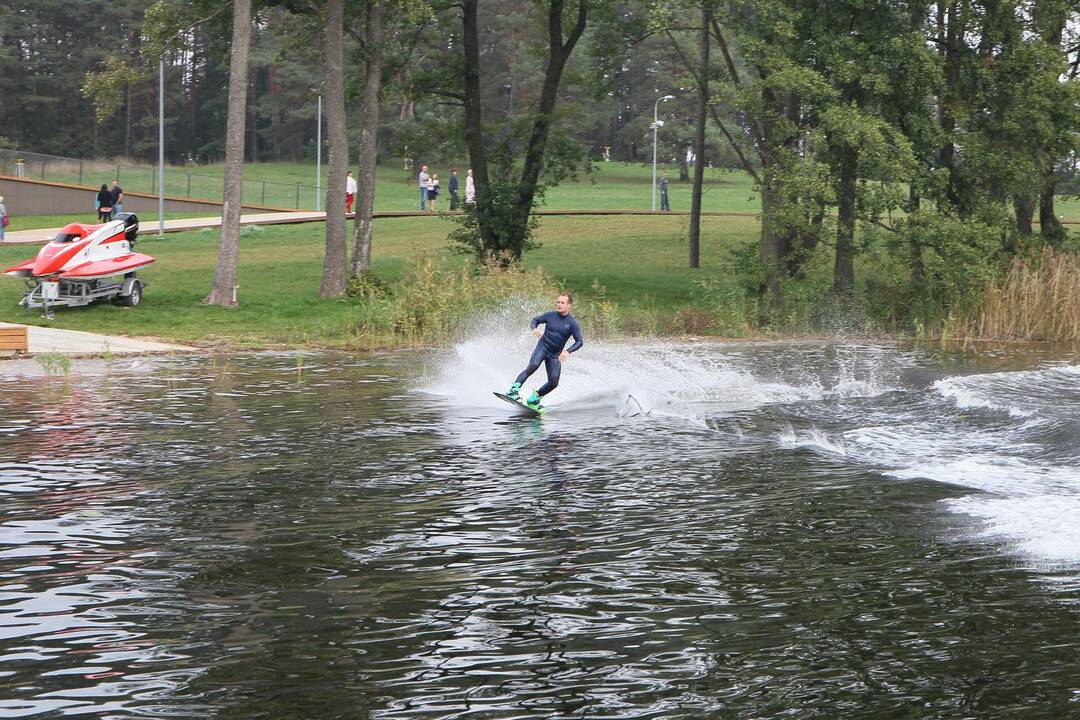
{"x": 350, "y": 192}
{"x": 433, "y": 192}
{"x": 470, "y": 188}
{"x": 424, "y": 182}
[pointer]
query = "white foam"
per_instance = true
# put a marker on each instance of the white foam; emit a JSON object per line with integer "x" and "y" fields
{"x": 1042, "y": 527}
{"x": 997, "y": 474}
{"x": 811, "y": 438}
{"x": 1025, "y": 393}
{"x": 657, "y": 376}
{"x": 967, "y": 394}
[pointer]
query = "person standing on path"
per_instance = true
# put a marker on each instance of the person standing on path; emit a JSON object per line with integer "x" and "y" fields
{"x": 425, "y": 180}
{"x": 453, "y": 189}
{"x": 104, "y": 204}
{"x": 117, "y": 193}
{"x": 470, "y": 188}
{"x": 664, "y": 204}
{"x": 350, "y": 192}
{"x": 3, "y": 218}
{"x": 559, "y": 326}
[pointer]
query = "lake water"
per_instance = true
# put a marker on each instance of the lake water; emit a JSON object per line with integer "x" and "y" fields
{"x": 806, "y": 530}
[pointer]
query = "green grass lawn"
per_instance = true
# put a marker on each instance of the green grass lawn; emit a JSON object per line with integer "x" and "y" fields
{"x": 638, "y": 261}
{"x": 612, "y": 186}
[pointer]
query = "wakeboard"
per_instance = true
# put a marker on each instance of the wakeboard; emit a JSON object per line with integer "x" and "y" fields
{"x": 522, "y": 407}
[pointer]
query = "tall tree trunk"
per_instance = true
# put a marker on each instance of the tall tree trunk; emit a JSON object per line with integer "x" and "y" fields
{"x": 699, "y": 137}
{"x": 1053, "y": 22}
{"x": 844, "y": 270}
{"x": 1050, "y": 227}
{"x": 223, "y": 291}
{"x": 558, "y": 54}
{"x": 474, "y": 131}
{"x": 771, "y": 252}
{"x": 1024, "y": 207}
{"x": 334, "y": 262}
{"x": 365, "y": 203}
{"x": 949, "y": 39}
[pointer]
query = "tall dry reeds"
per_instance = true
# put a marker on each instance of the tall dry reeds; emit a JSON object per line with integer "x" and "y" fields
{"x": 431, "y": 302}
{"x": 1038, "y": 299}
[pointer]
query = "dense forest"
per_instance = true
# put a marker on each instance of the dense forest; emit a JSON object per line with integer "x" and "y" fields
{"x": 54, "y": 54}
{"x": 944, "y": 131}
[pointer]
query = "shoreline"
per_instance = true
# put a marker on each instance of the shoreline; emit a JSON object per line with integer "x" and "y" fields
{"x": 157, "y": 346}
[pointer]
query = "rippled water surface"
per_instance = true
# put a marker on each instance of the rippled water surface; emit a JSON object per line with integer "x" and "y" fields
{"x": 802, "y": 531}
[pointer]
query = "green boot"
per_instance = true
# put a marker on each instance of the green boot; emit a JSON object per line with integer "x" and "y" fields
{"x": 514, "y": 393}
{"x": 534, "y": 402}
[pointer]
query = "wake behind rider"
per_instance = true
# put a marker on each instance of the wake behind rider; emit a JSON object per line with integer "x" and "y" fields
{"x": 559, "y": 326}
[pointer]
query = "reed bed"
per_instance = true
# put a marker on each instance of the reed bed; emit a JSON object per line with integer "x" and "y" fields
{"x": 431, "y": 302}
{"x": 1037, "y": 299}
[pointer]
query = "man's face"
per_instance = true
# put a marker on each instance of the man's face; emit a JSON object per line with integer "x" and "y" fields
{"x": 562, "y": 305}
{"x": 424, "y": 168}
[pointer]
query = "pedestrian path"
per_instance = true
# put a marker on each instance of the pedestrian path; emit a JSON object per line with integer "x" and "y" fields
{"x": 74, "y": 342}
{"x": 150, "y": 227}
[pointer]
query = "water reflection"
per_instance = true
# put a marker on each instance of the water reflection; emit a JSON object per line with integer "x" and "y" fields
{"x": 785, "y": 530}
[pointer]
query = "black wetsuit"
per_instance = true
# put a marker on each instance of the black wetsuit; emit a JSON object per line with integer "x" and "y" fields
{"x": 557, "y": 330}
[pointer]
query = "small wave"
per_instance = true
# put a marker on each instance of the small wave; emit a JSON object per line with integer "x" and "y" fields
{"x": 811, "y": 438}
{"x": 997, "y": 474}
{"x": 1025, "y": 393}
{"x": 1041, "y": 527}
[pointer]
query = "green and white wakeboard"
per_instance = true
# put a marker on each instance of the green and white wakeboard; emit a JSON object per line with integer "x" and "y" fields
{"x": 522, "y": 407}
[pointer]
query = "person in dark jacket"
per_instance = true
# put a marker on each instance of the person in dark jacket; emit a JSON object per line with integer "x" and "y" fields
{"x": 453, "y": 190}
{"x": 104, "y": 204}
{"x": 559, "y": 326}
{"x": 117, "y": 198}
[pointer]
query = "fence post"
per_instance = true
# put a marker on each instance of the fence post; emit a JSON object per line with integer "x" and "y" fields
{"x": 298, "y": 197}
{"x": 80, "y": 171}
{"x": 263, "y": 201}
{"x": 189, "y": 184}
{"x": 117, "y": 178}
{"x": 43, "y": 170}
{"x": 153, "y": 183}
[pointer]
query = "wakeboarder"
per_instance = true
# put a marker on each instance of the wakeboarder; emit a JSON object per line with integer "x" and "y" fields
{"x": 559, "y": 326}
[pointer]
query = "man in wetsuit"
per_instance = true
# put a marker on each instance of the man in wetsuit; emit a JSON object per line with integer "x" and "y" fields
{"x": 559, "y": 326}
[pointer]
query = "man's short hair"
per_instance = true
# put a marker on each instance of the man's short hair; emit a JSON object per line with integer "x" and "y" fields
{"x": 568, "y": 296}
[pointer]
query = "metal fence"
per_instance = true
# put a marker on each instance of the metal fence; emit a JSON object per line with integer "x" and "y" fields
{"x": 144, "y": 179}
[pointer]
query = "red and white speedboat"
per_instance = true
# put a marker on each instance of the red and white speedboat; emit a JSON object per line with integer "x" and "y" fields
{"x": 75, "y": 267}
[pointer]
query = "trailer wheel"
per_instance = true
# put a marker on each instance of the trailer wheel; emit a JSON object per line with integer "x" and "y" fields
{"x": 134, "y": 297}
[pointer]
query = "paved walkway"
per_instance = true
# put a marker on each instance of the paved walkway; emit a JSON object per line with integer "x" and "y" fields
{"x": 150, "y": 227}
{"x": 74, "y": 342}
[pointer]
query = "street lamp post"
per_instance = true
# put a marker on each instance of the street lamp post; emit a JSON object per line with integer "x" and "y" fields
{"x": 161, "y": 148}
{"x": 318, "y": 156}
{"x": 656, "y": 124}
